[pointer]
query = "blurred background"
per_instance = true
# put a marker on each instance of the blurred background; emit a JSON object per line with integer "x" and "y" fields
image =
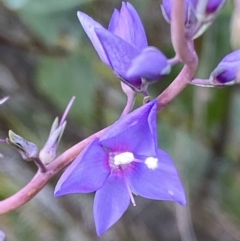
{"x": 46, "y": 58}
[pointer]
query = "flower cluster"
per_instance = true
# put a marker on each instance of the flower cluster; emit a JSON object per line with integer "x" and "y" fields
{"x": 126, "y": 161}
{"x": 124, "y": 48}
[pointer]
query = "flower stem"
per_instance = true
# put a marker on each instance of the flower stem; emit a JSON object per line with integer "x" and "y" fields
{"x": 40, "y": 165}
{"x": 130, "y": 99}
{"x": 42, "y": 178}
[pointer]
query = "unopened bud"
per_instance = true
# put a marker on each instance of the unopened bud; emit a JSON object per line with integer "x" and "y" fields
{"x": 227, "y": 70}
{"x": 49, "y": 151}
{"x": 27, "y": 149}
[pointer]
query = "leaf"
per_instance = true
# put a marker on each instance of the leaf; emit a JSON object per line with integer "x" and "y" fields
{"x": 63, "y": 78}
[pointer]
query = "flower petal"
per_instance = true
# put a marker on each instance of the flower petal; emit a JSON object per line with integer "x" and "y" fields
{"x": 130, "y": 28}
{"x": 150, "y": 64}
{"x": 140, "y": 35}
{"x": 87, "y": 173}
{"x": 119, "y": 53}
{"x": 135, "y": 132}
{"x": 227, "y": 69}
{"x": 114, "y": 21}
{"x": 166, "y": 9}
{"x": 89, "y": 25}
{"x": 161, "y": 183}
{"x": 110, "y": 202}
{"x": 214, "y": 5}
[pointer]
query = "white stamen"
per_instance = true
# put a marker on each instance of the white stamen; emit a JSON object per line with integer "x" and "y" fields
{"x": 151, "y": 163}
{"x": 123, "y": 158}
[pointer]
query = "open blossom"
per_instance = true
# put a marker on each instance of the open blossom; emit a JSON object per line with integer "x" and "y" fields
{"x": 124, "y": 48}
{"x": 125, "y": 160}
{"x": 228, "y": 69}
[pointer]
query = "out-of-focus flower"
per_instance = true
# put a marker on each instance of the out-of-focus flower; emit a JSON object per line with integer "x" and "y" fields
{"x": 4, "y": 99}
{"x": 208, "y": 8}
{"x": 125, "y": 160}
{"x": 49, "y": 151}
{"x": 123, "y": 42}
{"x": 190, "y": 17}
{"x": 235, "y": 26}
{"x": 2, "y": 235}
{"x": 227, "y": 70}
{"x": 199, "y": 14}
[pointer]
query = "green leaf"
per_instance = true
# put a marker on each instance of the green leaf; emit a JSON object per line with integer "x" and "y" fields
{"x": 63, "y": 78}
{"x": 44, "y": 6}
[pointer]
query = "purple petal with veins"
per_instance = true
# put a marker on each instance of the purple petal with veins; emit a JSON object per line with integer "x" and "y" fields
{"x": 130, "y": 27}
{"x": 135, "y": 132}
{"x": 161, "y": 183}
{"x": 150, "y": 64}
{"x": 114, "y": 21}
{"x": 119, "y": 53}
{"x": 87, "y": 173}
{"x": 89, "y": 26}
{"x": 110, "y": 202}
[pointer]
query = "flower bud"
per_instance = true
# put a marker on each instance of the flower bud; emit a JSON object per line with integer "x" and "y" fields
{"x": 49, "y": 151}
{"x": 27, "y": 149}
{"x": 190, "y": 18}
{"x": 206, "y": 10}
{"x": 227, "y": 70}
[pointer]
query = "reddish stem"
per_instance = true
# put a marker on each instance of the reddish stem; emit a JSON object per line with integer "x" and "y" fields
{"x": 41, "y": 179}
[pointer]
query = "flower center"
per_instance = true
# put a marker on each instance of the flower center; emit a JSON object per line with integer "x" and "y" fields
{"x": 123, "y": 158}
{"x": 151, "y": 163}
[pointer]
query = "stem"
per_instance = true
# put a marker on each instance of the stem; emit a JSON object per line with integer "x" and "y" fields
{"x": 186, "y": 54}
{"x": 173, "y": 61}
{"x": 129, "y": 104}
{"x": 41, "y": 179}
{"x": 40, "y": 165}
{"x": 130, "y": 93}
{"x": 202, "y": 82}
{"x": 180, "y": 82}
{"x": 184, "y": 50}
{"x": 179, "y": 42}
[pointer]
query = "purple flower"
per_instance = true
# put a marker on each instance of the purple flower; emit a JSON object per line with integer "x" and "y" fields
{"x": 190, "y": 18}
{"x": 166, "y": 9}
{"x": 227, "y": 70}
{"x": 123, "y": 161}
{"x": 214, "y": 5}
{"x": 2, "y": 235}
{"x": 208, "y": 9}
{"x": 198, "y": 14}
{"x": 123, "y": 42}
